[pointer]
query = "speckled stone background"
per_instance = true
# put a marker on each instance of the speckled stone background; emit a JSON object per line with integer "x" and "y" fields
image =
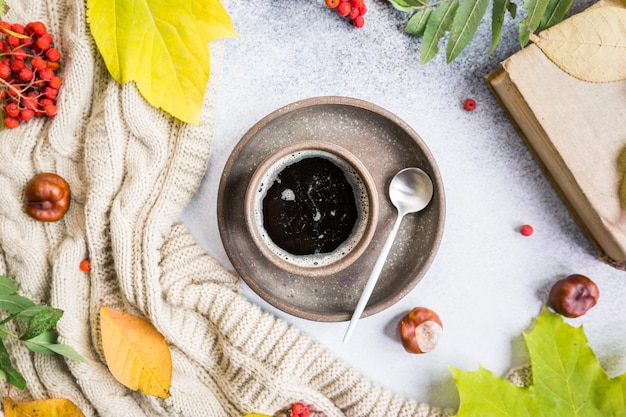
{"x": 487, "y": 282}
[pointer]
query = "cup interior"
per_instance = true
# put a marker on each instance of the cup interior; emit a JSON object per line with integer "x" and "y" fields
{"x": 285, "y": 251}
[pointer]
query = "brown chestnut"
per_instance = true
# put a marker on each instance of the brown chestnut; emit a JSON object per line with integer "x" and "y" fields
{"x": 420, "y": 330}
{"x": 47, "y": 197}
{"x": 573, "y": 296}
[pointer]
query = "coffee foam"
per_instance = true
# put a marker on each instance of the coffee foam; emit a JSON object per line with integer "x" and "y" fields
{"x": 360, "y": 196}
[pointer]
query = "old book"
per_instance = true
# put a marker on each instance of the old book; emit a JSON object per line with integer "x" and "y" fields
{"x": 577, "y": 131}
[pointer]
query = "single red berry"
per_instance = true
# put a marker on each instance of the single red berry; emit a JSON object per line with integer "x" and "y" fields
{"x": 11, "y": 122}
{"x": 11, "y": 110}
{"x": 362, "y": 9}
{"x": 358, "y": 21}
{"x": 469, "y": 104}
{"x": 55, "y": 82}
{"x": 344, "y": 8}
{"x": 85, "y": 265}
{"x": 50, "y": 109}
{"x": 26, "y": 74}
{"x": 46, "y": 74}
{"x": 5, "y": 71}
{"x": 354, "y": 12}
{"x": 37, "y": 28}
{"x": 17, "y": 28}
{"x": 53, "y": 54}
{"x": 38, "y": 63}
{"x": 13, "y": 40}
{"x": 526, "y": 230}
{"x": 51, "y": 92}
{"x": 17, "y": 65}
{"x": 27, "y": 114}
{"x": 44, "y": 42}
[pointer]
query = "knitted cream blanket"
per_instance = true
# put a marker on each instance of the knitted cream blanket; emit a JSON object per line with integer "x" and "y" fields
{"x": 132, "y": 169}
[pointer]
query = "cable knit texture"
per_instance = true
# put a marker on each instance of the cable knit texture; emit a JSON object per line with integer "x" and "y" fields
{"x": 132, "y": 169}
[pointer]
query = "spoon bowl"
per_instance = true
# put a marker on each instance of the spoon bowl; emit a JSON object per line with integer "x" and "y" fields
{"x": 410, "y": 191}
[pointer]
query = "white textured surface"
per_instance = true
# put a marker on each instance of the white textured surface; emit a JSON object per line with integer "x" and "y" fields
{"x": 487, "y": 281}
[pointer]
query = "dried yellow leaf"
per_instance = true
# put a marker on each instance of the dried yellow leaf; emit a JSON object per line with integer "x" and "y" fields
{"x": 590, "y": 46}
{"x": 55, "y": 407}
{"x": 136, "y": 353}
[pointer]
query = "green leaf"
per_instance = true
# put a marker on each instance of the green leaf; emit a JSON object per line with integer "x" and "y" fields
{"x": 14, "y": 303}
{"x": 67, "y": 351}
{"x": 7, "y": 285}
{"x": 41, "y": 342}
{"x": 437, "y": 26}
{"x": 555, "y": 12}
{"x": 416, "y": 3}
{"x": 408, "y": 6}
{"x": 536, "y": 10}
{"x": 401, "y": 6}
{"x": 28, "y": 313}
{"x": 512, "y": 8}
{"x": 161, "y": 46}
{"x": 46, "y": 343}
{"x": 417, "y": 23}
{"x": 44, "y": 320}
{"x": 567, "y": 379}
{"x": 10, "y": 374}
{"x": 497, "y": 22}
{"x": 466, "y": 22}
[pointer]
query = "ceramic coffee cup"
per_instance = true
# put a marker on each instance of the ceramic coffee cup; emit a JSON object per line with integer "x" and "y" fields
{"x": 311, "y": 208}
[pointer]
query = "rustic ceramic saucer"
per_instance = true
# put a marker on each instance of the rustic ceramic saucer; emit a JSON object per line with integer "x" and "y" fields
{"x": 365, "y": 198}
{"x": 384, "y": 144}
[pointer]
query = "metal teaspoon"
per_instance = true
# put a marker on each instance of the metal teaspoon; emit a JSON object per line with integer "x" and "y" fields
{"x": 410, "y": 191}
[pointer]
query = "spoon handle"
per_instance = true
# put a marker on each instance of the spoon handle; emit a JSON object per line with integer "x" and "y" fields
{"x": 373, "y": 278}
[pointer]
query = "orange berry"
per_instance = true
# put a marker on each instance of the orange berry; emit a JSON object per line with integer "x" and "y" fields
{"x": 85, "y": 265}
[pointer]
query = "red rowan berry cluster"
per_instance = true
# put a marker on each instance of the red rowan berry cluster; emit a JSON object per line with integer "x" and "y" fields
{"x": 354, "y": 9}
{"x": 28, "y": 64}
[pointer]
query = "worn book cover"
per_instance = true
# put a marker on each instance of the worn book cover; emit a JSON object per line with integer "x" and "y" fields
{"x": 577, "y": 132}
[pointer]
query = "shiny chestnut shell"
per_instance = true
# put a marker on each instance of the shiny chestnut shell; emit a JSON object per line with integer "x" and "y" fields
{"x": 420, "y": 330}
{"x": 47, "y": 197}
{"x": 573, "y": 296}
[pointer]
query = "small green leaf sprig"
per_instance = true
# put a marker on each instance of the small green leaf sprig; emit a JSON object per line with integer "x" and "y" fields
{"x": 36, "y": 324}
{"x": 459, "y": 19}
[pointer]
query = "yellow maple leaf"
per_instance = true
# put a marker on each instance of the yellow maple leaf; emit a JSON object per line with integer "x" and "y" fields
{"x": 161, "y": 46}
{"x": 54, "y": 407}
{"x": 136, "y": 353}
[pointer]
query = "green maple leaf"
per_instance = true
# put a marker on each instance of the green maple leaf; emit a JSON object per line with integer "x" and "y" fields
{"x": 161, "y": 45}
{"x": 567, "y": 379}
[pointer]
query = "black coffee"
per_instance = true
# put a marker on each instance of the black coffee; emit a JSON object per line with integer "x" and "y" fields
{"x": 310, "y": 208}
